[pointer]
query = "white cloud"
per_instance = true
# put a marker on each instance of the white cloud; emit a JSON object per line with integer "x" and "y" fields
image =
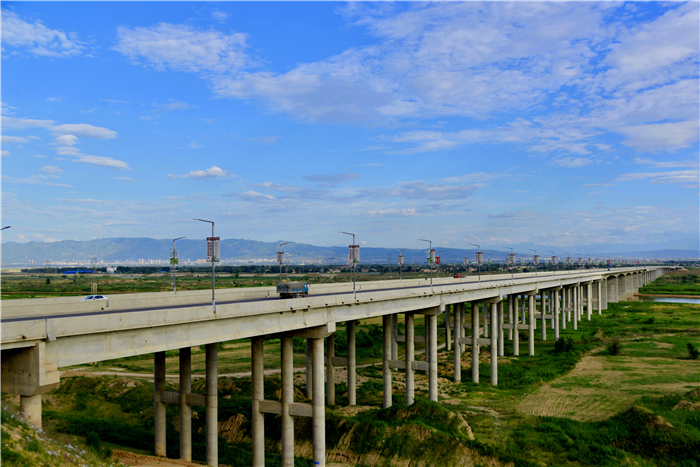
{"x": 211, "y": 172}
{"x": 125, "y": 179}
{"x": 334, "y": 179}
{"x": 24, "y": 123}
{"x": 85, "y": 130}
{"x": 36, "y": 38}
{"x": 686, "y": 178}
{"x": 571, "y": 162}
{"x": 219, "y": 16}
{"x": 5, "y": 153}
{"x": 183, "y": 48}
{"x": 48, "y": 169}
{"x": 667, "y": 164}
{"x": 102, "y": 161}
{"x": 13, "y": 139}
{"x": 33, "y": 180}
{"x": 661, "y": 136}
{"x": 392, "y": 213}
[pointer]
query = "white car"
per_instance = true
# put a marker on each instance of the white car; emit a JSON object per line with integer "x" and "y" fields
{"x": 94, "y": 297}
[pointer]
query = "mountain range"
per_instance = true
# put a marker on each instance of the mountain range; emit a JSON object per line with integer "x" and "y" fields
{"x": 123, "y": 250}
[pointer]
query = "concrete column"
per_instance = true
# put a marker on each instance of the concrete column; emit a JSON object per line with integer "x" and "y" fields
{"x": 555, "y": 313}
{"x": 319, "y": 409}
{"x": 484, "y": 311}
{"x": 185, "y": 409}
{"x": 543, "y": 311}
{"x": 448, "y": 336}
{"x": 475, "y": 345}
{"x": 410, "y": 357}
{"x": 522, "y": 309}
{"x": 386, "y": 321}
{"x": 457, "y": 317}
{"x": 330, "y": 368}
{"x": 611, "y": 292}
{"x": 287, "y": 440}
{"x": 501, "y": 343}
{"x": 30, "y": 410}
{"x": 212, "y": 371}
{"x": 516, "y": 331}
{"x": 257, "y": 419}
{"x": 564, "y": 306}
{"x": 426, "y": 324}
{"x": 159, "y": 411}
{"x": 352, "y": 364}
{"x": 462, "y": 332}
{"x": 589, "y": 300}
{"x": 494, "y": 347}
{"x": 394, "y": 333}
{"x": 531, "y": 325}
{"x": 309, "y": 370}
{"x": 576, "y": 298}
{"x": 512, "y": 315}
{"x": 604, "y": 293}
{"x": 433, "y": 368}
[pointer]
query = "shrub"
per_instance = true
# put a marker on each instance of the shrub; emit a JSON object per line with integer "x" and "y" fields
{"x": 693, "y": 352}
{"x": 92, "y": 439}
{"x": 614, "y": 346}
{"x": 564, "y": 344}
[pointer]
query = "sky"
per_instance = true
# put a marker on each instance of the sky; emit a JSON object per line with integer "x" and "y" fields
{"x": 492, "y": 123}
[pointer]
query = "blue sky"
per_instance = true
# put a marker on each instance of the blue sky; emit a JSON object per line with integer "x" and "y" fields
{"x": 491, "y": 123}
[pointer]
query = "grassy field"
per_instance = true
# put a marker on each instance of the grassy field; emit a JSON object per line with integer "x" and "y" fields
{"x": 680, "y": 282}
{"x": 569, "y": 405}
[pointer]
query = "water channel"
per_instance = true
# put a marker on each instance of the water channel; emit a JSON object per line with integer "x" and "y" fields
{"x": 695, "y": 301}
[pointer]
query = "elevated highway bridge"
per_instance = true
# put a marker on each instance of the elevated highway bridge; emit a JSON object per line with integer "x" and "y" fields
{"x": 40, "y": 336}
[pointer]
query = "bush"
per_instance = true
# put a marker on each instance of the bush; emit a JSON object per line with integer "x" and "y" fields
{"x": 92, "y": 439}
{"x": 564, "y": 344}
{"x": 693, "y": 352}
{"x": 614, "y": 346}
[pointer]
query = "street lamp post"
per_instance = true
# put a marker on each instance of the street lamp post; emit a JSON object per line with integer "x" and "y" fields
{"x": 533, "y": 260}
{"x": 214, "y": 259}
{"x": 509, "y": 257}
{"x": 401, "y": 262}
{"x": 280, "y": 257}
{"x": 554, "y": 258}
{"x": 489, "y": 263}
{"x": 478, "y": 262}
{"x": 430, "y": 260}
{"x": 173, "y": 264}
{"x": 354, "y": 256}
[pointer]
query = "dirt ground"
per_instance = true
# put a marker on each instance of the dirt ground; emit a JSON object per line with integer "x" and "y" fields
{"x": 599, "y": 388}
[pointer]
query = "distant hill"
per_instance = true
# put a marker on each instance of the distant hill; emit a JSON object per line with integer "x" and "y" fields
{"x": 119, "y": 250}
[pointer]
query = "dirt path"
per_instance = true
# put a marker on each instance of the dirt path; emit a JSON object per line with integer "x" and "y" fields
{"x": 600, "y": 387}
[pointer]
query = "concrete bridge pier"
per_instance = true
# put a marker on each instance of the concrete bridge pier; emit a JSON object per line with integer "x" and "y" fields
{"x": 212, "y": 408}
{"x": 543, "y": 314}
{"x": 494, "y": 342}
{"x": 286, "y": 407}
{"x": 515, "y": 326}
{"x": 410, "y": 358}
{"x": 30, "y": 372}
{"x": 159, "y": 403}
{"x": 386, "y": 322}
{"x": 531, "y": 324}
{"x": 448, "y": 337}
{"x": 555, "y": 312}
{"x": 576, "y": 305}
{"x": 501, "y": 341}
{"x": 511, "y": 315}
{"x": 475, "y": 342}
{"x": 589, "y": 300}
{"x": 185, "y": 409}
{"x": 352, "y": 364}
{"x": 458, "y": 317}
{"x": 330, "y": 369}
